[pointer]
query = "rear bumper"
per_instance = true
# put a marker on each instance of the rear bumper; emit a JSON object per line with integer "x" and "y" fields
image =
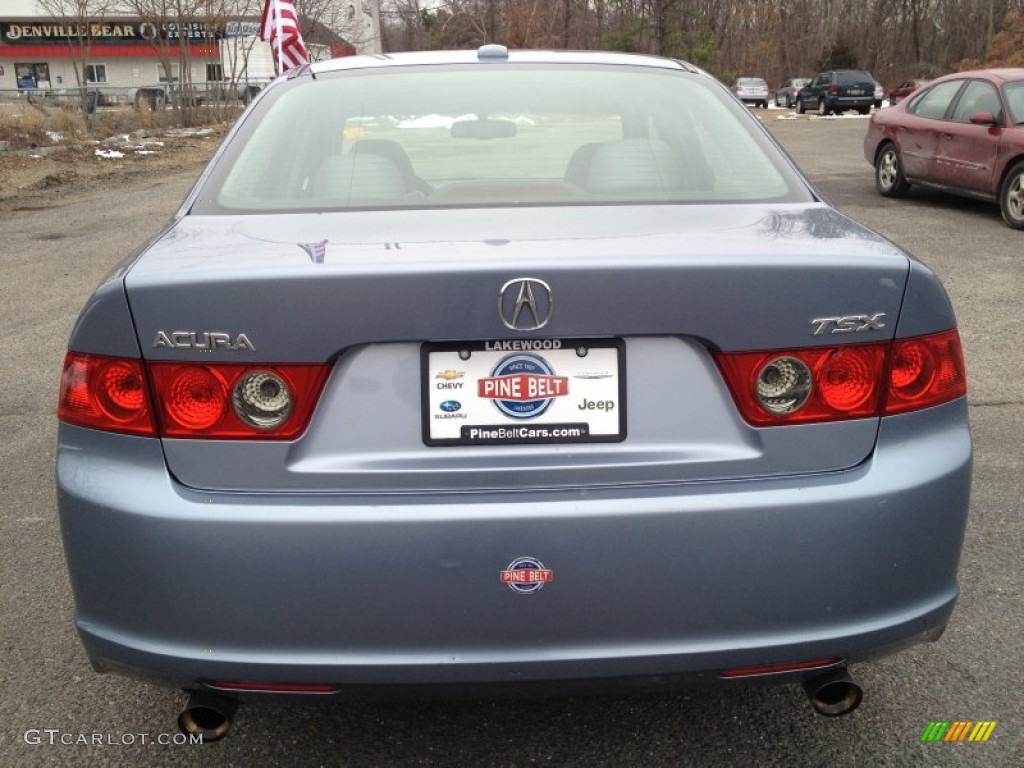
{"x": 375, "y": 592}
{"x": 851, "y": 102}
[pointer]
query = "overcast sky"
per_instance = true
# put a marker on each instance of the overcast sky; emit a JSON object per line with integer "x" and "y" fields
{"x": 19, "y": 8}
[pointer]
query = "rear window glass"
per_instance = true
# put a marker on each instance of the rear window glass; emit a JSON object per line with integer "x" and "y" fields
{"x": 505, "y": 135}
{"x": 751, "y": 81}
{"x": 1014, "y": 93}
{"x": 850, "y": 78}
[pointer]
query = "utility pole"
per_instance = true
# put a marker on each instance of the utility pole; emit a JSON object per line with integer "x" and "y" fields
{"x": 366, "y": 26}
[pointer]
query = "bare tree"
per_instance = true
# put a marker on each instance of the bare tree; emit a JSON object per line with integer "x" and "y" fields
{"x": 79, "y": 17}
{"x": 776, "y": 39}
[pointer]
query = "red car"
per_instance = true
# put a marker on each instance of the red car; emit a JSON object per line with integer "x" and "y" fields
{"x": 963, "y": 133}
{"x": 904, "y": 89}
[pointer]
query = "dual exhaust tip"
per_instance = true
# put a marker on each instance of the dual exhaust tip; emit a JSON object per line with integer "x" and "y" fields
{"x": 209, "y": 716}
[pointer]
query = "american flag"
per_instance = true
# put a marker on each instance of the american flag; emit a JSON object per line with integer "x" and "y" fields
{"x": 280, "y": 28}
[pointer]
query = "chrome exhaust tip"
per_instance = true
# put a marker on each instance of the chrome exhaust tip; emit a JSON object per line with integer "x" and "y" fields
{"x": 833, "y": 693}
{"x": 207, "y": 715}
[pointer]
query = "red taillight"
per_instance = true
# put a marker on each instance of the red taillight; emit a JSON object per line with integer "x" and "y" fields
{"x": 845, "y": 382}
{"x": 833, "y": 90}
{"x": 191, "y": 400}
{"x": 107, "y": 393}
{"x": 925, "y": 371}
{"x": 204, "y": 400}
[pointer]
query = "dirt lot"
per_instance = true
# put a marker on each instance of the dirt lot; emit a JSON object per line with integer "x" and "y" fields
{"x": 30, "y": 177}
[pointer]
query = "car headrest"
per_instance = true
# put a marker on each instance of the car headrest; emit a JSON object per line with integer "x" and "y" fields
{"x": 645, "y": 167}
{"x": 359, "y": 179}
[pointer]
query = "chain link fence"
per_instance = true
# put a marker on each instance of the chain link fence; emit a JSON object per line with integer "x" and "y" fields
{"x": 166, "y": 104}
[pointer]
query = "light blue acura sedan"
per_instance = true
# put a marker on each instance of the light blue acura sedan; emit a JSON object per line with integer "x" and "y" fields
{"x": 490, "y": 371}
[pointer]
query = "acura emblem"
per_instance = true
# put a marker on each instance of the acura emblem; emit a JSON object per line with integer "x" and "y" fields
{"x": 524, "y": 304}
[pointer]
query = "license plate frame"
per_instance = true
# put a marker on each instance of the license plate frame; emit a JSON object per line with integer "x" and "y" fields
{"x": 579, "y": 383}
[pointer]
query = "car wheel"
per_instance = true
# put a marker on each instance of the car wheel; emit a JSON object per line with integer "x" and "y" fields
{"x": 1011, "y": 197}
{"x": 864, "y": 110}
{"x": 764, "y": 104}
{"x": 889, "y": 178}
{"x": 823, "y": 109}
{"x": 799, "y": 107}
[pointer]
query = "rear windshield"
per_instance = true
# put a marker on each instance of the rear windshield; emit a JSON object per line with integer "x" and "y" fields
{"x": 522, "y": 134}
{"x": 755, "y": 81}
{"x": 852, "y": 78}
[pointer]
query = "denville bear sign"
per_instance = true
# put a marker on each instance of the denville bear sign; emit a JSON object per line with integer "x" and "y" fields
{"x": 129, "y": 31}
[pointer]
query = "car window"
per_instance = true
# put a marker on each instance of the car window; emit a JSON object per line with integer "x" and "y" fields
{"x": 850, "y": 78}
{"x": 523, "y": 135}
{"x": 935, "y": 101}
{"x": 1014, "y": 93}
{"x": 978, "y": 96}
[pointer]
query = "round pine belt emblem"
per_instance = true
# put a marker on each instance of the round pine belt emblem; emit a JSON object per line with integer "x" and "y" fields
{"x": 523, "y": 386}
{"x": 526, "y": 574}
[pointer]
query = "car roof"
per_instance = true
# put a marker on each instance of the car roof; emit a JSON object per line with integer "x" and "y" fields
{"x": 493, "y": 53}
{"x": 1002, "y": 74}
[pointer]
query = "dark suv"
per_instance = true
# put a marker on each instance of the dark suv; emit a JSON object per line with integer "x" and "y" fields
{"x": 838, "y": 90}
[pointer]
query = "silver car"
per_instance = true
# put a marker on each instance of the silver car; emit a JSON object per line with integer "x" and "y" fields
{"x": 492, "y": 371}
{"x": 751, "y": 90}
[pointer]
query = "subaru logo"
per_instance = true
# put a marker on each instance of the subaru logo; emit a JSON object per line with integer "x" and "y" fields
{"x": 525, "y": 304}
{"x": 451, "y": 406}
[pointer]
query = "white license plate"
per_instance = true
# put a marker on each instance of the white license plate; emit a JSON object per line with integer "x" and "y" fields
{"x": 524, "y": 391}
{"x": 855, "y": 92}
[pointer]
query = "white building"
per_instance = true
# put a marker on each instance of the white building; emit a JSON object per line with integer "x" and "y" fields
{"x": 40, "y": 52}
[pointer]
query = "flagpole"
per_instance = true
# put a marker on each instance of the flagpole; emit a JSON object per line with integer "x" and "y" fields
{"x": 278, "y": 61}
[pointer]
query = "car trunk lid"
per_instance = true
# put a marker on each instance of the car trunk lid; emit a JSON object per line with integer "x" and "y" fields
{"x": 672, "y": 283}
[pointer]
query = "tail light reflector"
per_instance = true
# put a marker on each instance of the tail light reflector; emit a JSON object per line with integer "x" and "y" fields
{"x": 774, "y": 668}
{"x": 275, "y": 687}
{"x": 107, "y": 393}
{"x": 833, "y": 90}
{"x": 845, "y": 382}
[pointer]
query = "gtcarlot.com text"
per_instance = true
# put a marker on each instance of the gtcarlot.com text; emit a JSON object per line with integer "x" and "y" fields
{"x": 57, "y": 737}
